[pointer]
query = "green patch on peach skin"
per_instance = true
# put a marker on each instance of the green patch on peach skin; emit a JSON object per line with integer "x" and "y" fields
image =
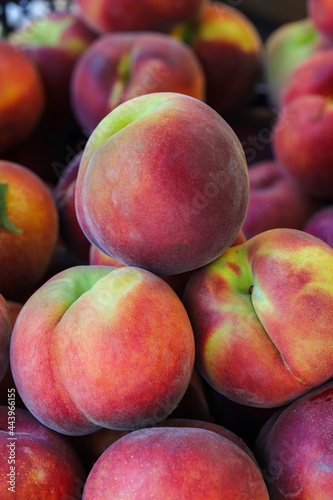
{"x": 241, "y": 291}
{"x": 111, "y": 315}
{"x": 5, "y": 222}
{"x": 32, "y": 339}
{"x": 41, "y": 32}
{"x": 118, "y": 119}
{"x": 228, "y": 30}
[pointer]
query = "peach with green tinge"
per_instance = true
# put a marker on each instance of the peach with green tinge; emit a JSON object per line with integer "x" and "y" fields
{"x": 98, "y": 346}
{"x": 53, "y": 43}
{"x": 312, "y": 76}
{"x": 302, "y": 144}
{"x": 285, "y": 48}
{"x": 120, "y": 66}
{"x": 228, "y": 46}
{"x": 162, "y": 184}
{"x": 262, "y": 317}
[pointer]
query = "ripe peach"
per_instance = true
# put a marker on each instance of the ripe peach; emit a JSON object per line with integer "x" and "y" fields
{"x": 53, "y": 43}
{"x": 28, "y": 230}
{"x": 130, "y": 15}
{"x": 35, "y": 462}
{"x": 312, "y": 76}
{"x": 21, "y": 96}
{"x": 120, "y": 66}
{"x": 294, "y": 448}
{"x": 178, "y": 200}
{"x": 228, "y": 46}
{"x": 275, "y": 201}
{"x": 203, "y": 464}
{"x": 245, "y": 310}
{"x": 321, "y": 14}
{"x": 98, "y": 346}
{"x": 320, "y": 224}
{"x": 302, "y": 142}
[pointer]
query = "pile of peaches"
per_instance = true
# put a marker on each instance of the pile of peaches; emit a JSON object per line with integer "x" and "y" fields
{"x": 166, "y": 261}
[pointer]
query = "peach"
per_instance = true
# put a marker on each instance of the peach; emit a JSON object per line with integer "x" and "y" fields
{"x": 285, "y": 48}
{"x": 120, "y": 66}
{"x": 130, "y": 15}
{"x": 22, "y": 96}
{"x": 321, "y": 14}
{"x": 275, "y": 201}
{"x": 303, "y": 147}
{"x": 228, "y": 46}
{"x": 54, "y": 42}
{"x": 173, "y": 463}
{"x": 35, "y": 461}
{"x": 178, "y": 200}
{"x": 295, "y": 449}
{"x": 28, "y": 230}
{"x": 320, "y": 224}
{"x": 245, "y": 310}
{"x": 312, "y": 76}
{"x": 98, "y": 346}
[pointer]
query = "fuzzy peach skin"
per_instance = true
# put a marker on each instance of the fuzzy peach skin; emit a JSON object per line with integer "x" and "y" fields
{"x": 228, "y": 46}
{"x": 130, "y": 15}
{"x": 209, "y": 426}
{"x": 173, "y": 463}
{"x": 28, "y": 230}
{"x": 321, "y": 14}
{"x": 22, "y": 97}
{"x": 54, "y": 42}
{"x": 35, "y": 462}
{"x": 295, "y": 448}
{"x": 6, "y": 326}
{"x": 120, "y": 66}
{"x": 162, "y": 184}
{"x": 98, "y": 346}
{"x": 192, "y": 406}
{"x": 262, "y": 318}
{"x": 302, "y": 144}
